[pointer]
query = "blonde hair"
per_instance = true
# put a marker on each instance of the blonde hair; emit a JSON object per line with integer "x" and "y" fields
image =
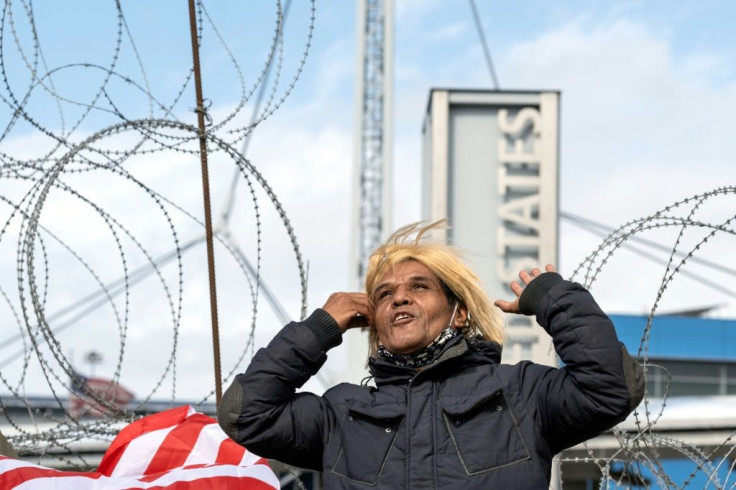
{"x": 409, "y": 243}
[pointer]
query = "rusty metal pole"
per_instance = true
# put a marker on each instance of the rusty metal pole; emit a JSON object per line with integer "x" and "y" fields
{"x": 206, "y": 195}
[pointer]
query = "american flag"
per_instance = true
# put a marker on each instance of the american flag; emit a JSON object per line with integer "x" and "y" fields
{"x": 179, "y": 449}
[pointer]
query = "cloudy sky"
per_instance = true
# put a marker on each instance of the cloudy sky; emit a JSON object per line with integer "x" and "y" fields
{"x": 648, "y": 98}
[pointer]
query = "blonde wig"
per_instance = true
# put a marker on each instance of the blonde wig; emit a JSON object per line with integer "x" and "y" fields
{"x": 410, "y": 243}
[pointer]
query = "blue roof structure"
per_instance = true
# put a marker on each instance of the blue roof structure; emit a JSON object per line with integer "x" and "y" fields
{"x": 680, "y": 337}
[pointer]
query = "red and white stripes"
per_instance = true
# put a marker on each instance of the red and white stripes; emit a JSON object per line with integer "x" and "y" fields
{"x": 177, "y": 449}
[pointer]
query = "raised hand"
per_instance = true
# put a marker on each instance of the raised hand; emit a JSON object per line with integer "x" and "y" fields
{"x": 517, "y": 289}
{"x": 350, "y": 310}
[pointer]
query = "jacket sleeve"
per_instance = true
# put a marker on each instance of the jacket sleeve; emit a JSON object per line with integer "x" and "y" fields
{"x": 599, "y": 384}
{"x": 261, "y": 409}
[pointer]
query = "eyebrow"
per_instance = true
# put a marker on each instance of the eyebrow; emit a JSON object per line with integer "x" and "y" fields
{"x": 416, "y": 278}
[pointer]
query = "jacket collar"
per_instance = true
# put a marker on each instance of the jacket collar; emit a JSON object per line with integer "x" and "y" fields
{"x": 460, "y": 349}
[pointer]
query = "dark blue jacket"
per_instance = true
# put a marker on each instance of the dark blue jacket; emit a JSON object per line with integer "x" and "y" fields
{"x": 466, "y": 421}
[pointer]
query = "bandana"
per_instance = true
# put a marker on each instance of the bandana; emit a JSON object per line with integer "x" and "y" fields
{"x": 424, "y": 356}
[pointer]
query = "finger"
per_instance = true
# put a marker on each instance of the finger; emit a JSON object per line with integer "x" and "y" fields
{"x": 507, "y": 306}
{"x": 536, "y": 272}
{"x": 550, "y": 268}
{"x": 364, "y": 319}
{"x": 358, "y": 321}
{"x": 365, "y": 308}
{"x": 516, "y": 288}
{"x": 349, "y": 300}
{"x": 525, "y": 277}
{"x": 345, "y": 307}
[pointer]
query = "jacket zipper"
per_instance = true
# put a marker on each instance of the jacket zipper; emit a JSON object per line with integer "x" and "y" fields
{"x": 408, "y": 433}
{"x": 408, "y": 420}
{"x": 434, "y": 436}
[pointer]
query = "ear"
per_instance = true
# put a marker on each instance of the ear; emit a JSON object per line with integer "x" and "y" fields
{"x": 461, "y": 316}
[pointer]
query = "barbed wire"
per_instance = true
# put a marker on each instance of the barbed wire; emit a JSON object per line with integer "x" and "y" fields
{"x": 643, "y": 448}
{"x": 90, "y": 224}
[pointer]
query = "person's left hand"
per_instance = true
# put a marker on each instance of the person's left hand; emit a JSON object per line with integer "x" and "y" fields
{"x": 526, "y": 278}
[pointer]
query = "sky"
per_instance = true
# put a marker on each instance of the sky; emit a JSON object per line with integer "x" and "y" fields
{"x": 648, "y": 93}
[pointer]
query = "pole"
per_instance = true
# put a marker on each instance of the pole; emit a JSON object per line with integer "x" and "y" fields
{"x": 206, "y": 196}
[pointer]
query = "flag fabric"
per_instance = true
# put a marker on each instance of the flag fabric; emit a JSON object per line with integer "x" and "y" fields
{"x": 82, "y": 404}
{"x": 179, "y": 449}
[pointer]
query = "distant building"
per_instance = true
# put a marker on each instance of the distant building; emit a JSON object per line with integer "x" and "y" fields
{"x": 688, "y": 419}
{"x": 699, "y": 354}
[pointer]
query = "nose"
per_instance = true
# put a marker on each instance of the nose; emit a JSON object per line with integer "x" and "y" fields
{"x": 401, "y": 296}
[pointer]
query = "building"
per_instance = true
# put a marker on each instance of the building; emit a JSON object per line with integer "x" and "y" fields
{"x": 490, "y": 166}
{"x": 685, "y": 430}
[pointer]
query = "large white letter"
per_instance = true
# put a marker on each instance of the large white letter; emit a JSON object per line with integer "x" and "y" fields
{"x": 524, "y": 118}
{"x": 521, "y": 211}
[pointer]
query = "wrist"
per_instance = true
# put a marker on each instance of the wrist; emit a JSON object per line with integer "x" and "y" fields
{"x": 325, "y": 328}
{"x": 535, "y": 291}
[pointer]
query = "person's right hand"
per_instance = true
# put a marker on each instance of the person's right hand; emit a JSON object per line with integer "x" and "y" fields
{"x": 526, "y": 278}
{"x": 350, "y": 310}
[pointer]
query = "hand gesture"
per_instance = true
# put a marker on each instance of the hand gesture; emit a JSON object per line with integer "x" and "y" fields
{"x": 517, "y": 289}
{"x": 350, "y": 310}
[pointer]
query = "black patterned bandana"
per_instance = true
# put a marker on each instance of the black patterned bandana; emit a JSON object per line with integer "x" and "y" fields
{"x": 424, "y": 356}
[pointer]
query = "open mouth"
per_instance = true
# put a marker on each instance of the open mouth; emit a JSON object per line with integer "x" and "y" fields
{"x": 401, "y": 318}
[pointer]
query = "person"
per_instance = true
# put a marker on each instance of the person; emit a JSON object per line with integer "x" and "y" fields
{"x": 445, "y": 412}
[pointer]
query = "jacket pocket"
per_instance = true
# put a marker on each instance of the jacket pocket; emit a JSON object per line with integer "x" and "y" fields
{"x": 368, "y": 434}
{"x": 484, "y": 432}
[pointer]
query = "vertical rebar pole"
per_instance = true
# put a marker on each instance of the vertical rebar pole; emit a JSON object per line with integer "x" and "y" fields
{"x": 206, "y": 195}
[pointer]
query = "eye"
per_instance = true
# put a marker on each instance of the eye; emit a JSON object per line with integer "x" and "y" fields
{"x": 384, "y": 294}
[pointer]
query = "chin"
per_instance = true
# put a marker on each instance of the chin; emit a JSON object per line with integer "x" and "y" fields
{"x": 404, "y": 349}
